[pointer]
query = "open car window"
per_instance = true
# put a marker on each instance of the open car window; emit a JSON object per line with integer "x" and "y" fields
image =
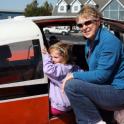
{"x": 64, "y": 33}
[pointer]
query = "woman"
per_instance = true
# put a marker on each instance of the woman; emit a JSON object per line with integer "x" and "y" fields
{"x": 102, "y": 86}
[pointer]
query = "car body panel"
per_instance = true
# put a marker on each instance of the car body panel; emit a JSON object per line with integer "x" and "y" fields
{"x": 25, "y": 111}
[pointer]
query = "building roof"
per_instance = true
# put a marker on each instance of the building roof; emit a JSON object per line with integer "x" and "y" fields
{"x": 122, "y": 1}
{"x": 100, "y": 3}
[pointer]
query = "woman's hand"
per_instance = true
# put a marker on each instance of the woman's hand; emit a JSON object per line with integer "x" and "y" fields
{"x": 68, "y": 77}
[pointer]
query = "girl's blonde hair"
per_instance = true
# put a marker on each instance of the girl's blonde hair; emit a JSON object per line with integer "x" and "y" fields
{"x": 90, "y": 10}
{"x": 64, "y": 50}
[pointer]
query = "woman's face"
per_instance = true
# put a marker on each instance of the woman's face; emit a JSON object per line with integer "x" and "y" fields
{"x": 88, "y": 26}
{"x": 56, "y": 56}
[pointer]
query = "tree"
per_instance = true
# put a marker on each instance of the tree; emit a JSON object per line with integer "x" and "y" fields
{"x": 46, "y": 9}
{"x": 33, "y": 9}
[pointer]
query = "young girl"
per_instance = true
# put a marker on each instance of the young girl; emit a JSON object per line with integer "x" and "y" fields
{"x": 56, "y": 66}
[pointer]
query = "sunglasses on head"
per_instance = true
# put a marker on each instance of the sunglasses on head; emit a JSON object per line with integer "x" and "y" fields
{"x": 86, "y": 23}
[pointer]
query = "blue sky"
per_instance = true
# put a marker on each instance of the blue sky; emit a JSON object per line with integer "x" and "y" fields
{"x": 19, "y": 5}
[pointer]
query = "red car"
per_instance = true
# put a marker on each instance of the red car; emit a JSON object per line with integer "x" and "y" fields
{"x": 23, "y": 85}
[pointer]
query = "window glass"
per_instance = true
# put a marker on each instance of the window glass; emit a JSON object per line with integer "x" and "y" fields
{"x": 114, "y": 11}
{"x": 107, "y": 8}
{"x": 114, "y": 5}
{"x": 20, "y": 61}
{"x": 121, "y": 13}
{"x": 69, "y": 34}
{"x": 106, "y": 14}
{"x": 121, "y": 16}
{"x": 121, "y": 8}
{"x": 114, "y": 15}
{"x": 62, "y": 8}
{"x": 75, "y": 8}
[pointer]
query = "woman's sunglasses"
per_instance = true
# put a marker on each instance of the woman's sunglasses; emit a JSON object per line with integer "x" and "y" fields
{"x": 86, "y": 23}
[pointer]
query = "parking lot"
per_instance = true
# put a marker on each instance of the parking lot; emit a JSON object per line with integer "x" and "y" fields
{"x": 76, "y": 38}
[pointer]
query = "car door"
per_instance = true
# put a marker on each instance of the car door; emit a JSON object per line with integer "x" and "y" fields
{"x": 23, "y": 86}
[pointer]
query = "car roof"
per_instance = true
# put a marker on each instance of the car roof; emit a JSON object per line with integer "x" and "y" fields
{"x": 14, "y": 30}
{"x": 22, "y": 27}
{"x": 115, "y": 25}
{"x": 54, "y": 20}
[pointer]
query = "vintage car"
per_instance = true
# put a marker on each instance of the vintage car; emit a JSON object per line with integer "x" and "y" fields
{"x": 24, "y": 88}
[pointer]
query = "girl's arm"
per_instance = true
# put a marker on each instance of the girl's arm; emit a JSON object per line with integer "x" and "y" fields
{"x": 50, "y": 69}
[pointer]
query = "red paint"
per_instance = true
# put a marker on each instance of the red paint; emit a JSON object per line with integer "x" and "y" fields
{"x": 21, "y": 55}
{"x": 67, "y": 118}
{"x": 28, "y": 111}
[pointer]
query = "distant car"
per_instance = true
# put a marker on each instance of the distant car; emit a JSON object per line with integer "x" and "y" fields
{"x": 57, "y": 30}
{"x": 75, "y": 31}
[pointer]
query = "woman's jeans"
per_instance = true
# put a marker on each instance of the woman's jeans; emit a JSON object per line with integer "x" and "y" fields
{"x": 86, "y": 98}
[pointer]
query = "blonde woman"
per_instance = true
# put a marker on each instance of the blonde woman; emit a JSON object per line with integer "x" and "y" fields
{"x": 102, "y": 86}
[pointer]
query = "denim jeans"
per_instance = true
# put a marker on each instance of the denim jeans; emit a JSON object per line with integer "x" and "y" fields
{"x": 86, "y": 98}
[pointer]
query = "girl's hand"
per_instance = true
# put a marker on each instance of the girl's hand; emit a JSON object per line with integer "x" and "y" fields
{"x": 68, "y": 77}
{"x": 44, "y": 51}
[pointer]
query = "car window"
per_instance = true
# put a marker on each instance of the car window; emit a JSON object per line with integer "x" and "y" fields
{"x": 18, "y": 62}
{"x": 69, "y": 34}
{"x": 74, "y": 38}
